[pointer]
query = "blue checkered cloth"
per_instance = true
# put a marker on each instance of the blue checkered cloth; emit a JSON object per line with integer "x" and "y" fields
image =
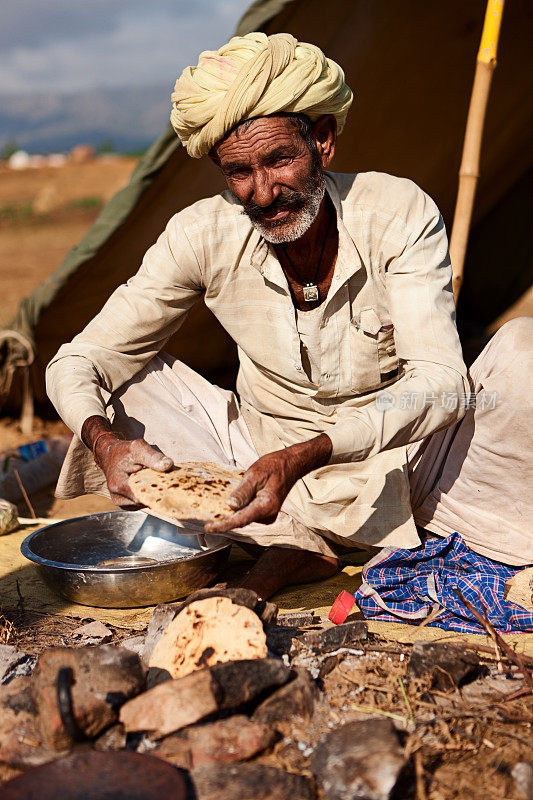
{"x": 408, "y": 585}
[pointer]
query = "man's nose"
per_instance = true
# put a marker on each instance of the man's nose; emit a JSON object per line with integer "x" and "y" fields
{"x": 265, "y": 189}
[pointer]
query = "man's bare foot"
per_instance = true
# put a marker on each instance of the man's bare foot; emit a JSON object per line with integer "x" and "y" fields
{"x": 281, "y": 566}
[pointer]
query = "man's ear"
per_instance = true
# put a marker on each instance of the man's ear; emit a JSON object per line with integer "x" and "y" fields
{"x": 325, "y": 135}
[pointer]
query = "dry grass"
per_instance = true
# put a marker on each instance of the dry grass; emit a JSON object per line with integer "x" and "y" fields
{"x": 7, "y": 630}
{"x": 459, "y": 749}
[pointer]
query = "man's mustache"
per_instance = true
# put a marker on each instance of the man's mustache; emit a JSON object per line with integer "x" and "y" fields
{"x": 289, "y": 201}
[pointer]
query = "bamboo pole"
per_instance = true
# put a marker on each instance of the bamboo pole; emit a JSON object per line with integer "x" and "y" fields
{"x": 469, "y": 169}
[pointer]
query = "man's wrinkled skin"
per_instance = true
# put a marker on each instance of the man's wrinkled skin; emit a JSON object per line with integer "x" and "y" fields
{"x": 119, "y": 459}
{"x": 270, "y": 170}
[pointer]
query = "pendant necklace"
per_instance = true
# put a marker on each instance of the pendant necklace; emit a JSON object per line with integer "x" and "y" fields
{"x": 310, "y": 290}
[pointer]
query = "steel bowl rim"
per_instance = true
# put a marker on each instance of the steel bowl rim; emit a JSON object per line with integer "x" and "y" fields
{"x": 45, "y": 562}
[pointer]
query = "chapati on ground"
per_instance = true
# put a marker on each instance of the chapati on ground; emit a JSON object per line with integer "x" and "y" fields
{"x": 209, "y": 632}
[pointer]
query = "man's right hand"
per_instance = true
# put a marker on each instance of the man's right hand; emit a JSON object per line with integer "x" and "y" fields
{"x": 119, "y": 459}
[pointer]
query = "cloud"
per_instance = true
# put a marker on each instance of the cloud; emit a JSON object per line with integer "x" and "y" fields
{"x": 66, "y": 45}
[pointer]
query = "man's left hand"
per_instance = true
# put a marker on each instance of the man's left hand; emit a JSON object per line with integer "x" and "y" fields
{"x": 266, "y": 484}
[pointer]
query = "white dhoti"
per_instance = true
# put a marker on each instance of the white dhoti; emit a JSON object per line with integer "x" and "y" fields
{"x": 474, "y": 478}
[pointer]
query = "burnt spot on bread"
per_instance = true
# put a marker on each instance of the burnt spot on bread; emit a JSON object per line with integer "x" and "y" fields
{"x": 206, "y": 655}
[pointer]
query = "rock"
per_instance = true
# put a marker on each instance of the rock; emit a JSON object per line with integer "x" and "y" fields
{"x": 287, "y": 630}
{"x": 361, "y": 760}
{"x": 10, "y": 658}
{"x": 279, "y": 639}
{"x": 296, "y": 699}
{"x": 136, "y": 644}
{"x": 249, "y": 782}
{"x": 175, "y": 704}
{"x": 175, "y": 749}
{"x": 103, "y": 678}
{"x": 332, "y": 638}
{"x": 523, "y": 779}
{"x": 208, "y": 632}
{"x": 519, "y": 589}
{"x": 20, "y": 735}
{"x": 489, "y": 689}
{"x": 114, "y": 738}
{"x": 92, "y": 633}
{"x": 267, "y": 612}
{"x": 9, "y": 520}
{"x": 448, "y": 665}
{"x": 225, "y": 741}
{"x": 171, "y": 705}
{"x": 328, "y": 664}
{"x": 162, "y": 616}
{"x": 154, "y": 676}
{"x": 22, "y": 669}
{"x": 298, "y": 619}
{"x": 318, "y": 666}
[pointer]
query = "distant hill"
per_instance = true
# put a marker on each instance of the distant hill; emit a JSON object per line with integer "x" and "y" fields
{"x": 44, "y": 122}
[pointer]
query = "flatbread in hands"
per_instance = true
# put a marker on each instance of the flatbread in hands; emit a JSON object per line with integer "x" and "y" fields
{"x": 192, "y": 490}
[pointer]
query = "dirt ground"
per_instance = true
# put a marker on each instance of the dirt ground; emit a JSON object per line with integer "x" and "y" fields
{"x": 44, "y": 212}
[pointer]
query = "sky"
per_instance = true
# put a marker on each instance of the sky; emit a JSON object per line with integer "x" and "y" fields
{"x": 60, "y": 46}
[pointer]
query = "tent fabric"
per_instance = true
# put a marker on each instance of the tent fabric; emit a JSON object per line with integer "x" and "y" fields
{"x": 411, "y": 69}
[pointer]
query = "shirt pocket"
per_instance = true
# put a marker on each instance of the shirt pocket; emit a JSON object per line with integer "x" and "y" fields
{"x": 372, "y": 350}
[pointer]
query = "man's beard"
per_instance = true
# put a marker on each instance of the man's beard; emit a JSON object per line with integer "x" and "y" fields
{"x": 304, "y": 206}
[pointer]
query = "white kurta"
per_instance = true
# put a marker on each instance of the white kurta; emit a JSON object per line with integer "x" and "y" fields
{"x": 387, "y": 323}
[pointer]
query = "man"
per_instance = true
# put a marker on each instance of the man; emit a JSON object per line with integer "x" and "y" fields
{"x": 336, "y": 289}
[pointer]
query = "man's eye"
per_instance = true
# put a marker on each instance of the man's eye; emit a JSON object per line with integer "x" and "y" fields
{"x": 279, "y": 161}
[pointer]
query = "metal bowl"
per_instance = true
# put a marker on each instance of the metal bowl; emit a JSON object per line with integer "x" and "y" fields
{"x": 122, "y": 559}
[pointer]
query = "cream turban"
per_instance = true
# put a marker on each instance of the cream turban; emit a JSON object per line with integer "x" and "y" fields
{"x": 254, "y": 76}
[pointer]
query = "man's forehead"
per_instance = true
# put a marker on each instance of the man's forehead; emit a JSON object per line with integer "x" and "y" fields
{"x": 259, "y": 134}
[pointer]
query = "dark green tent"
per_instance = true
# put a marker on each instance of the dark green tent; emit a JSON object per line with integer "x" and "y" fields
{"x": 411, "y": 67}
